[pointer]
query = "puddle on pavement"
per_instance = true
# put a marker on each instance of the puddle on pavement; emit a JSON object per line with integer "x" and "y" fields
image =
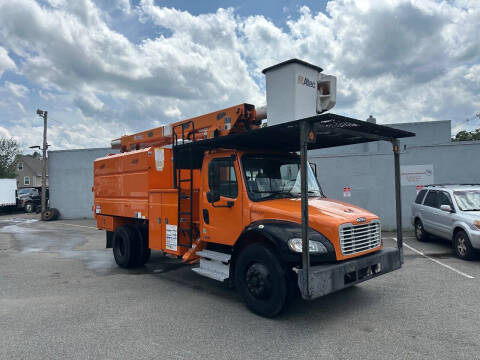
{"x": 30, "y": 238}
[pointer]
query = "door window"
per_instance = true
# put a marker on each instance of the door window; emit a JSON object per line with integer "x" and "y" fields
{"x": 431, "y": 199}
{"x": 444, "y": 199}
{"x": 222, "y": 178}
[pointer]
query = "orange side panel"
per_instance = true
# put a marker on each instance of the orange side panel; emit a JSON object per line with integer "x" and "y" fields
{"x": 110, "y": 223}
{"x": 122, "y": 181}
{"x": 155, "y": 224}
{"x": 163, "y": 224}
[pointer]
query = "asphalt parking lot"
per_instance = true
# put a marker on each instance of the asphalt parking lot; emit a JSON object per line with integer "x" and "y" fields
{"x": 62, "y": 296}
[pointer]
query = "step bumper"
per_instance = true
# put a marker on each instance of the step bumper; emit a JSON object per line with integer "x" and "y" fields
{"x": 326, "y": 279}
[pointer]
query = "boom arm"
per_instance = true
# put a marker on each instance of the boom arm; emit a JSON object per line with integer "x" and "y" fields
{"x": 232, "y": 120}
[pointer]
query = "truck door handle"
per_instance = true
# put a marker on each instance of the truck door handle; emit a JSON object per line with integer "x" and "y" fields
{"x": 206, "y": 216}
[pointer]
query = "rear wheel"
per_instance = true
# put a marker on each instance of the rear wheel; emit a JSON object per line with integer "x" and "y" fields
{"x": 261, "y": 280}
{"x": 50, "y": 214}
{"x": 462, "y": 246}
{"x": 126, "y": 246}
{"x": 420, "y": 233}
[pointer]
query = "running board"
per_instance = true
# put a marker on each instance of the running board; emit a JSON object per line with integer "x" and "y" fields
{"x": 214, "y": 265}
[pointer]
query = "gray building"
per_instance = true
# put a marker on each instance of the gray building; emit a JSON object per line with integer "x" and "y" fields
{"x": 71, "y": 181}
{"x": 362, "y": 174}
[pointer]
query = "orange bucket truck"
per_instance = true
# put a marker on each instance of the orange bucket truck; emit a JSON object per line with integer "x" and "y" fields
{"x": 239, "y": 200}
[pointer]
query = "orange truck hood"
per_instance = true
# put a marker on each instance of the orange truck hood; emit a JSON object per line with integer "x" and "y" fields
{"x": 325, "y": 215}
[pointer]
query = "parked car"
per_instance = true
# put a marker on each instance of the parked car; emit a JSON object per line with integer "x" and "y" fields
{"x": 29, "y": 198}
{"x": 450, "y": 212}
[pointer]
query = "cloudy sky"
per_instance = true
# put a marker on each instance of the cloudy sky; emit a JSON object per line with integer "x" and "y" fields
{"x": 106, "y": 68}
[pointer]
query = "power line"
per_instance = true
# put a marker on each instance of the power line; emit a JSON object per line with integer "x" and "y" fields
{"x": 474, "y": 117}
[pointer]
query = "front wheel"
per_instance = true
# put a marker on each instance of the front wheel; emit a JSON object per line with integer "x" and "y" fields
{"x": 463, "y": 248}
{"x": 261, "y": 280}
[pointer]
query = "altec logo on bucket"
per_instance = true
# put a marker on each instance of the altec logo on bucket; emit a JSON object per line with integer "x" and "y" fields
{"x": 303, "y": 80}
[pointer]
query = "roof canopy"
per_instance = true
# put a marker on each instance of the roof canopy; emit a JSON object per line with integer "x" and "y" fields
{"x": 330, "y": 129}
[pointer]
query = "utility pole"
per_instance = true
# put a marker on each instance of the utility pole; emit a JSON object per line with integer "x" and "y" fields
{"x": 44, "y": 115}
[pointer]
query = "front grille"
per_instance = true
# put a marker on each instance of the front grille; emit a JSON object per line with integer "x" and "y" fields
{"x": 358, "y": 238}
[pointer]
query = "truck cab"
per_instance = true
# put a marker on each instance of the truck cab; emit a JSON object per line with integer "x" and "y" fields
{"x": 245, "y": 192}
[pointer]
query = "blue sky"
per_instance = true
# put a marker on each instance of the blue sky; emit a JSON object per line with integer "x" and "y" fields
{"x": 106, "y": 68}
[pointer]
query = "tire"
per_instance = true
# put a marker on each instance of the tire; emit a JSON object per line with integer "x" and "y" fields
{"x": 420, "y": 232}
{"x": 144, "y": 251}
{"x": 29, "y": 207}
{"x": 462, "y": 246}
{"x": 126, "y": 249}
{"x": 261, "y": 280}
{"x": 50, "y": 214}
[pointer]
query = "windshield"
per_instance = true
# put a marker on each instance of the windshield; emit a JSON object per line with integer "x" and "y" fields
{"x": 468, "y": 200}
{"x": 272, "y": 176}
{"x": 24, "y": 191}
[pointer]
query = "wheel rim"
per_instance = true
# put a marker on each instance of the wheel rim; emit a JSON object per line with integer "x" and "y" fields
{"x": 258, "y": 280}
{"x": 29, "y": 207}
{"x": 419, "y": 230}
{"x": 461, "y": 245}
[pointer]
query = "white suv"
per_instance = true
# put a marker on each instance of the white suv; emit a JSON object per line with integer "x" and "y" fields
{"x": 451, "y": 212}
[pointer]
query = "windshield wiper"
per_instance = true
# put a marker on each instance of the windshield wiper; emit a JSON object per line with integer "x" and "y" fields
{"x": 279, "y": 194}
{"x": 471, "y": 210}
{"x": 310, "y": 193}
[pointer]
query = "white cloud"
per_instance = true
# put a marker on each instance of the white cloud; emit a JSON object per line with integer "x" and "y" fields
{"x": 400, "y": 60}
{"x": 16, "y": 89}
{"x": 20, "y": 106}
{"x": 4, "y": 133}
{"x": 124, "y": 5}
{"x": 6, "y": 63}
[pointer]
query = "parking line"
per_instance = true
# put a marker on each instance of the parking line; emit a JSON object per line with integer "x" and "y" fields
{"x": 435, "y": 260}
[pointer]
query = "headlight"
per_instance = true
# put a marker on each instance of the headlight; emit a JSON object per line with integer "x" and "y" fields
{"x": 315, "y": 247}
{"x": 476, "y": 225}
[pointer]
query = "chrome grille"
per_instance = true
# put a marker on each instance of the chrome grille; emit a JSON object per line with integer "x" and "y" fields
{"x": 358, "y": 238}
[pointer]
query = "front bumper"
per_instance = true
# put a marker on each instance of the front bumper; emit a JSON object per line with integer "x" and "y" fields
{"x": 325, "y": 279}
{"x": 474, "y": 236}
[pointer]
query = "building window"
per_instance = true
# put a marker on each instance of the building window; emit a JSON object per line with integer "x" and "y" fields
{"x": 26, "y": 180}
{"x": 20, "y": 166}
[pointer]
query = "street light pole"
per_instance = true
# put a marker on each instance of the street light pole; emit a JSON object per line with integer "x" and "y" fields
{"x": 44, "y": 115}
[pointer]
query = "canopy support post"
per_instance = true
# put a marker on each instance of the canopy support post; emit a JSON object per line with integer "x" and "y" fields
{"x": 304, "y": 207}
{"x": 398, "y": 196}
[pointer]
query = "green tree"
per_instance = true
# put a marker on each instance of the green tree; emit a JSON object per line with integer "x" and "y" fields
{"x": 8, "y": 153}
{"x": 467, "y": 135}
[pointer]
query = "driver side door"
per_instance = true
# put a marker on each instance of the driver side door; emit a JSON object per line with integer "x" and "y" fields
{"x": 221, "y": 221}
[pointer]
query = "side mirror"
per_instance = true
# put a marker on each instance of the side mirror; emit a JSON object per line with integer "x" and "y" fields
{"x": 213, "y": 197}
{"x": 446, "y": 208}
